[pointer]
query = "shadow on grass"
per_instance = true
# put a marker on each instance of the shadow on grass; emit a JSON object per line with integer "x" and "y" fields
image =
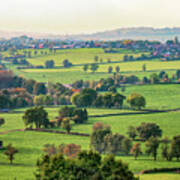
{"x": 16, "y": 164}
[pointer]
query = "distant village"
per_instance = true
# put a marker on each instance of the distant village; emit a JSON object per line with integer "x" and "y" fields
{"x": 170, "y": 50}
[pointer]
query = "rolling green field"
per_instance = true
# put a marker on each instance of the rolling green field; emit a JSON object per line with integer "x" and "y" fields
{"x": 79, "y": 56}
{"x": 30, "y": 144}
{"x": 162, "y": 97}
{"x": 160, "y": 176}
{"x": 83, "y": 56}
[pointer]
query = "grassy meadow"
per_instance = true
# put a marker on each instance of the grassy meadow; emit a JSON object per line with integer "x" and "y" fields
{"x": 30, "y": 144}
{"x": 79, "y": 57}
{"x": 158, "y": 96}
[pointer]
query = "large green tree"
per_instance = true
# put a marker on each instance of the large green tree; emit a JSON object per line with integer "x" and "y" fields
{"x": 147, "y": 130}
{"x": 97, "y": 141}
{"x": 36, "y": 115}
{"x": 136, "y": 101}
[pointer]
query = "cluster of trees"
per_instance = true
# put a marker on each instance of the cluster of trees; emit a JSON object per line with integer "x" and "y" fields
{"x": 20, "y": 62}
{"x": 110, "y": 69}
{"x": 144, "y": 131}
{"x": 93, "y": 67}
{"x": 23, "y": 93}
{"x": 88, "y": 165}
{"x": 49, "y": 64}
{"x": 69, "y": 150}
{"x": 41, "y": 100}
{"x": 67, "y": 115}
{"x": 136, "y": 101}
{"x": 104, "y": 141}
{"x": 150, "y": 133}
{"x": 169, "y": 148}
{"x": 14, "y": 100}
{"x": 89, "y": 97}
{"x": 36, "y": 116}
{"x": 109, "y": 100}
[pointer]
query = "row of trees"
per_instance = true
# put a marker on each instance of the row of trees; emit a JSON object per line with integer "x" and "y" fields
{"x": 67, "y": 115}
{"x": 104, "y": 141}
{"x": 93, "y": 67}
{"x": 144, "y": 131}
{"x": 89, "y": 97}
{"x": 169, "y": 148}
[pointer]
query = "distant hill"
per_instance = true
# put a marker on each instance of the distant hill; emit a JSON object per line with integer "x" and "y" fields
{"x": 133, "y": 33}
{"x": 142, "y": 33}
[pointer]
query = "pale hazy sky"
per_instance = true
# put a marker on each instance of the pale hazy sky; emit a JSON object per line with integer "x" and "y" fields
{"x": 77, "y": 16}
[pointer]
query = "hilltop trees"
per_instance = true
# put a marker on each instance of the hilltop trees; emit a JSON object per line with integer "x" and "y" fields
{"x": 37, "y": 116}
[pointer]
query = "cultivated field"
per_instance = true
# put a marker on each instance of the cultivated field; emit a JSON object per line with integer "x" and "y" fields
{"x": 79, "y": 57}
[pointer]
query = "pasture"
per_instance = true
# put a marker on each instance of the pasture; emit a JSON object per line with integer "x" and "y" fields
{"x": 79, "y": 57}
{"x": 30, "y": 144}
{"x": 162, "y": 97}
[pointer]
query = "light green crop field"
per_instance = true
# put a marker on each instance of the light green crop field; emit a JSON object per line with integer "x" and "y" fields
{"x": 79, "y": 56}
{"x": 163, "y": 176}
{"x": 82, "y": 56}
{"x": 70, "y": 75}
{"x": 30, "y": 144}
{"x": 164, "y": 96}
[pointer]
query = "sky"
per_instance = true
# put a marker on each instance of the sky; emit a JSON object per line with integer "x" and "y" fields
{"x": 86, "y": 16}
